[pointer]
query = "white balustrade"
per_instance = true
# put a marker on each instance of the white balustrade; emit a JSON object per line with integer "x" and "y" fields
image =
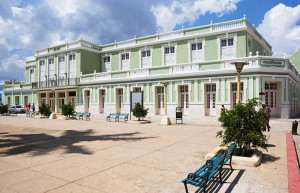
{"x": 86, "y": 44}
{"x": 139, "y": 73}
{"x": 228, "y": 25}
{"x": 184, "y": 68}
{"x": 41, "y": 52}
{"x": 125, "y": 44}
{"x": 103, "y": 76}
{"x": 74, "y": 45}
{"x": 170, "y": 35}
{"x": 31, "y": 58}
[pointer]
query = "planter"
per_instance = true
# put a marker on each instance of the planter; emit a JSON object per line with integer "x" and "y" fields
{"x": 41, "y": 117}
{"x": 253, "y": 161}
{"x": 63, "y": 118}
{"x": 139, "y": 122}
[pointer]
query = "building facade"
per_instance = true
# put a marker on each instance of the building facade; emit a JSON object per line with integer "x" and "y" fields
{"x": 195, "y": 61}
{"x": 2, "y": 96}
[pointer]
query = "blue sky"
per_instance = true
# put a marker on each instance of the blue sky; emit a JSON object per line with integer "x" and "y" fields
{"x": 31, "y": 24}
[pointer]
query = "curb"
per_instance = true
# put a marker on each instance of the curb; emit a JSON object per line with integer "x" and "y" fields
{"x": 293, "y": 168}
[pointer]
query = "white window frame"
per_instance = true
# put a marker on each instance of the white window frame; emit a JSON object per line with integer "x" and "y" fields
{"x": 44, "y": 64}
{"x": 69, "y": 63}
{"x": 163, "y": 46}
{"x": 52, "y": 59}
{"x": 227, "y": 36}
{"x": 30, "y": 80}
{"x": 146, "y": 48}
{"x": 189, "y": 45}
{"x": 109, "y": 63}
{"x": 120, "y": 59}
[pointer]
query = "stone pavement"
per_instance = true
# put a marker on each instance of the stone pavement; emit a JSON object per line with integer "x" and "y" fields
{"x": 98, "y": 156}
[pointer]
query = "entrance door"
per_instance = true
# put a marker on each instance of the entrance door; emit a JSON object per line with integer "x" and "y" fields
{"x": 102, "y": 101}
{"x": 271, "y": 97}
{"x": 234, "y": 94}
{"x": 184, "y": 99}
{"x": 72, "y": 99}
{"x": 17, "y": 100}
{"x": 52, "y": 101}
{"x": 210, "y": 100}
{"x": 119, "y": 100}
{"x": 160, "y": 100}
{"x": 61, "y": 101}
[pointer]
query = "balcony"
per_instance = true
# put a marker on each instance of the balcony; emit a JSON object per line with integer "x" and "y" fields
{"x": 56, "y": 83}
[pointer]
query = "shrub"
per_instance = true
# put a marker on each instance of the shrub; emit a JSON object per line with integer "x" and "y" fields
{"x": 3, "y": 109}
{"x": 244, "y": 125}
{"x": 139, "y": 111}
{"x": 67, "y": 109}
{"x": 44, "y": 110}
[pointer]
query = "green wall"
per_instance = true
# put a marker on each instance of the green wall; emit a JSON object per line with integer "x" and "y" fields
{"x": 89, "y": 62}
{"x": 211, "y": 48}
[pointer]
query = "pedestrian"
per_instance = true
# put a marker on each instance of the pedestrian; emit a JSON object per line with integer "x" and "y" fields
{"x": 33, "y": 107}
{"x": 223, "y": 109}
{"x": 267, "y": 110}
{"x": 28, "y": 107}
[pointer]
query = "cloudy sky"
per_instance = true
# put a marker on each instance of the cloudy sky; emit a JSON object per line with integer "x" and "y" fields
{"x": 30, "y": 24}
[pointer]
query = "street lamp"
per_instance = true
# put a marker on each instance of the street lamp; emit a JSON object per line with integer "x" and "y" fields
{"x": 239, "y": 66}
{"x": 165, "y": 120}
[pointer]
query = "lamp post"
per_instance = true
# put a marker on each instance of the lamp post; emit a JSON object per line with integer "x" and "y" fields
{"x": 239, "y": 66}
{"x": 165, "y": 120}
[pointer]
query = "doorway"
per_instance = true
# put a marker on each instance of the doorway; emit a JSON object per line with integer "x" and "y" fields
{"x": 160, "y": 100}
{"x": 271, "y": 97}
{"x": 210, "y": 99}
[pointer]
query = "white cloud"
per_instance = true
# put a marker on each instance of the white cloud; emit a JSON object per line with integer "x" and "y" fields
{"x": 180, "y": 12}
{"x": 281, "y": 29}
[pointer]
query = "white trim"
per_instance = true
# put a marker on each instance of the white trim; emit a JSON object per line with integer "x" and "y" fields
{"x": 169, "y": 44}
{"x": 189, "y": 44}
{"x": 120, "y": 59}
{"x": 219, "y": 45}
{"x": 102, "y": 61}
{"x": 140, "y": 55}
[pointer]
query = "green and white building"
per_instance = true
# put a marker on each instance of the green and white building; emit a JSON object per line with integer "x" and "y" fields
{"x": 195, "y": 61}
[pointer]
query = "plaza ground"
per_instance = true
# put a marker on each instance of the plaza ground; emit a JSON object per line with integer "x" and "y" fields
{"x": 41, "y": 155}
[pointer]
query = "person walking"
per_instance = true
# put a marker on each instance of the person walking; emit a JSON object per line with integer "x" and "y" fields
{"x": 267, "y": 110}
{"x": 33, "y": 107}
{"x": 28, "y": 107}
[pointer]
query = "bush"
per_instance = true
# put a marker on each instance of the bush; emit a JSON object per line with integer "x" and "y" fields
{"x": 67, "y": 110}
{"x": 244, "y": 125}
{"x": 44, "y": 110}
{"x": 3, "y": 109}
{"x": 139, "y": 111}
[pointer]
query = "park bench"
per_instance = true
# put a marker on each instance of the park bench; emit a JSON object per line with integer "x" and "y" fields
{"x": 112, "y": 116}
{"x": 77, "y": 114}
{"x": 210, "y": 169}
{"x": 86, "y": 115}
{"x": 34, "y": 113}
{"x": 123, "y": 116}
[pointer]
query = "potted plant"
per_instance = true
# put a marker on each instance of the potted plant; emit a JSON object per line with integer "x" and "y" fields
{"x": 44, "y": 110}
{"x": 244, "y": 125}
{"x": 139, "y": 111}
{"x": 67, "y": 110}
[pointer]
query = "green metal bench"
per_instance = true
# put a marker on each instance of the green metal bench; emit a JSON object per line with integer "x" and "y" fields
{"x": 210, "y": 169}
{"x": 86, "y": 115}
{"x": 123, "y": 116}
{"x": 112, "y": 116}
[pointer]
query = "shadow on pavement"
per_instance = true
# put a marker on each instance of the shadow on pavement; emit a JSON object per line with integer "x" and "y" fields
{"x": 214, "y": 185}
{"x": 38, "y": 144}
{"x": 267, "y": 158}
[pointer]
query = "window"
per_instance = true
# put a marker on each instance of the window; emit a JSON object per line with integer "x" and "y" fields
{"x": 146, "y": 59}
{"x": 31, "y": 75}
{"x": 51, "y": 60}
{"x": 61, "y": 59}
{"x": 106, "y": 66}
{"x": 42, "y": 74}
{"x": 184, "y": 98}
{"x": 125, "y": 61}
{"x": 234, "y": 94}
{"x": 170, "y": 57}
{"x": 137, "y": 89}
{"x": 56, "y": 49}
{"x": 196, "y": 54}
{"x": 51, "y": 68}
{"x": 72, "y": 57}
{"x": 227, "y": 48}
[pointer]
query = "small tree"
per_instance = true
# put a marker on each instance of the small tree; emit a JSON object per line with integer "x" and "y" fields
{"x": 139, "y": 111}
{"x": 67, "y": 109}
{"x": 244, "y": 125}
{"x": 3, "y": 109}
{"x": 44, "y": 110}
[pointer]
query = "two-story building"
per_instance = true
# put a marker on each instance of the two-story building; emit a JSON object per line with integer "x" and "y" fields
{"x": 195, "y": 61}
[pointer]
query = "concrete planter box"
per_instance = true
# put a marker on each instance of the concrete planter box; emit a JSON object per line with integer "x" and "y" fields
{"x": 41, "y": 117}
{"x": 253, "y": 161}
{"x": 139, "y": 122}
{"x": 63, "y": 118}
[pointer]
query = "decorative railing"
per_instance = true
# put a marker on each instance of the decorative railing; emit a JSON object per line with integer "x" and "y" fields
{"x": 139, "y": 73}
{"x": 228, "y": 25}
{"x": 185, "y": 68}
{"x": 170, "y": 35}
{"x": 51, "y": 83}
{"x": 125, "y": 43}
{"x": 42, "y": 84}
{"x": 62, "y": 82}
{"x": 72, "y": 81}
{"x": 103, "y": 76}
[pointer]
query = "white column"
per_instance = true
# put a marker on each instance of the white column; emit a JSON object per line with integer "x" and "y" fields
{"x": 66, "y": 97}
{"x": 56, "y": 101}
